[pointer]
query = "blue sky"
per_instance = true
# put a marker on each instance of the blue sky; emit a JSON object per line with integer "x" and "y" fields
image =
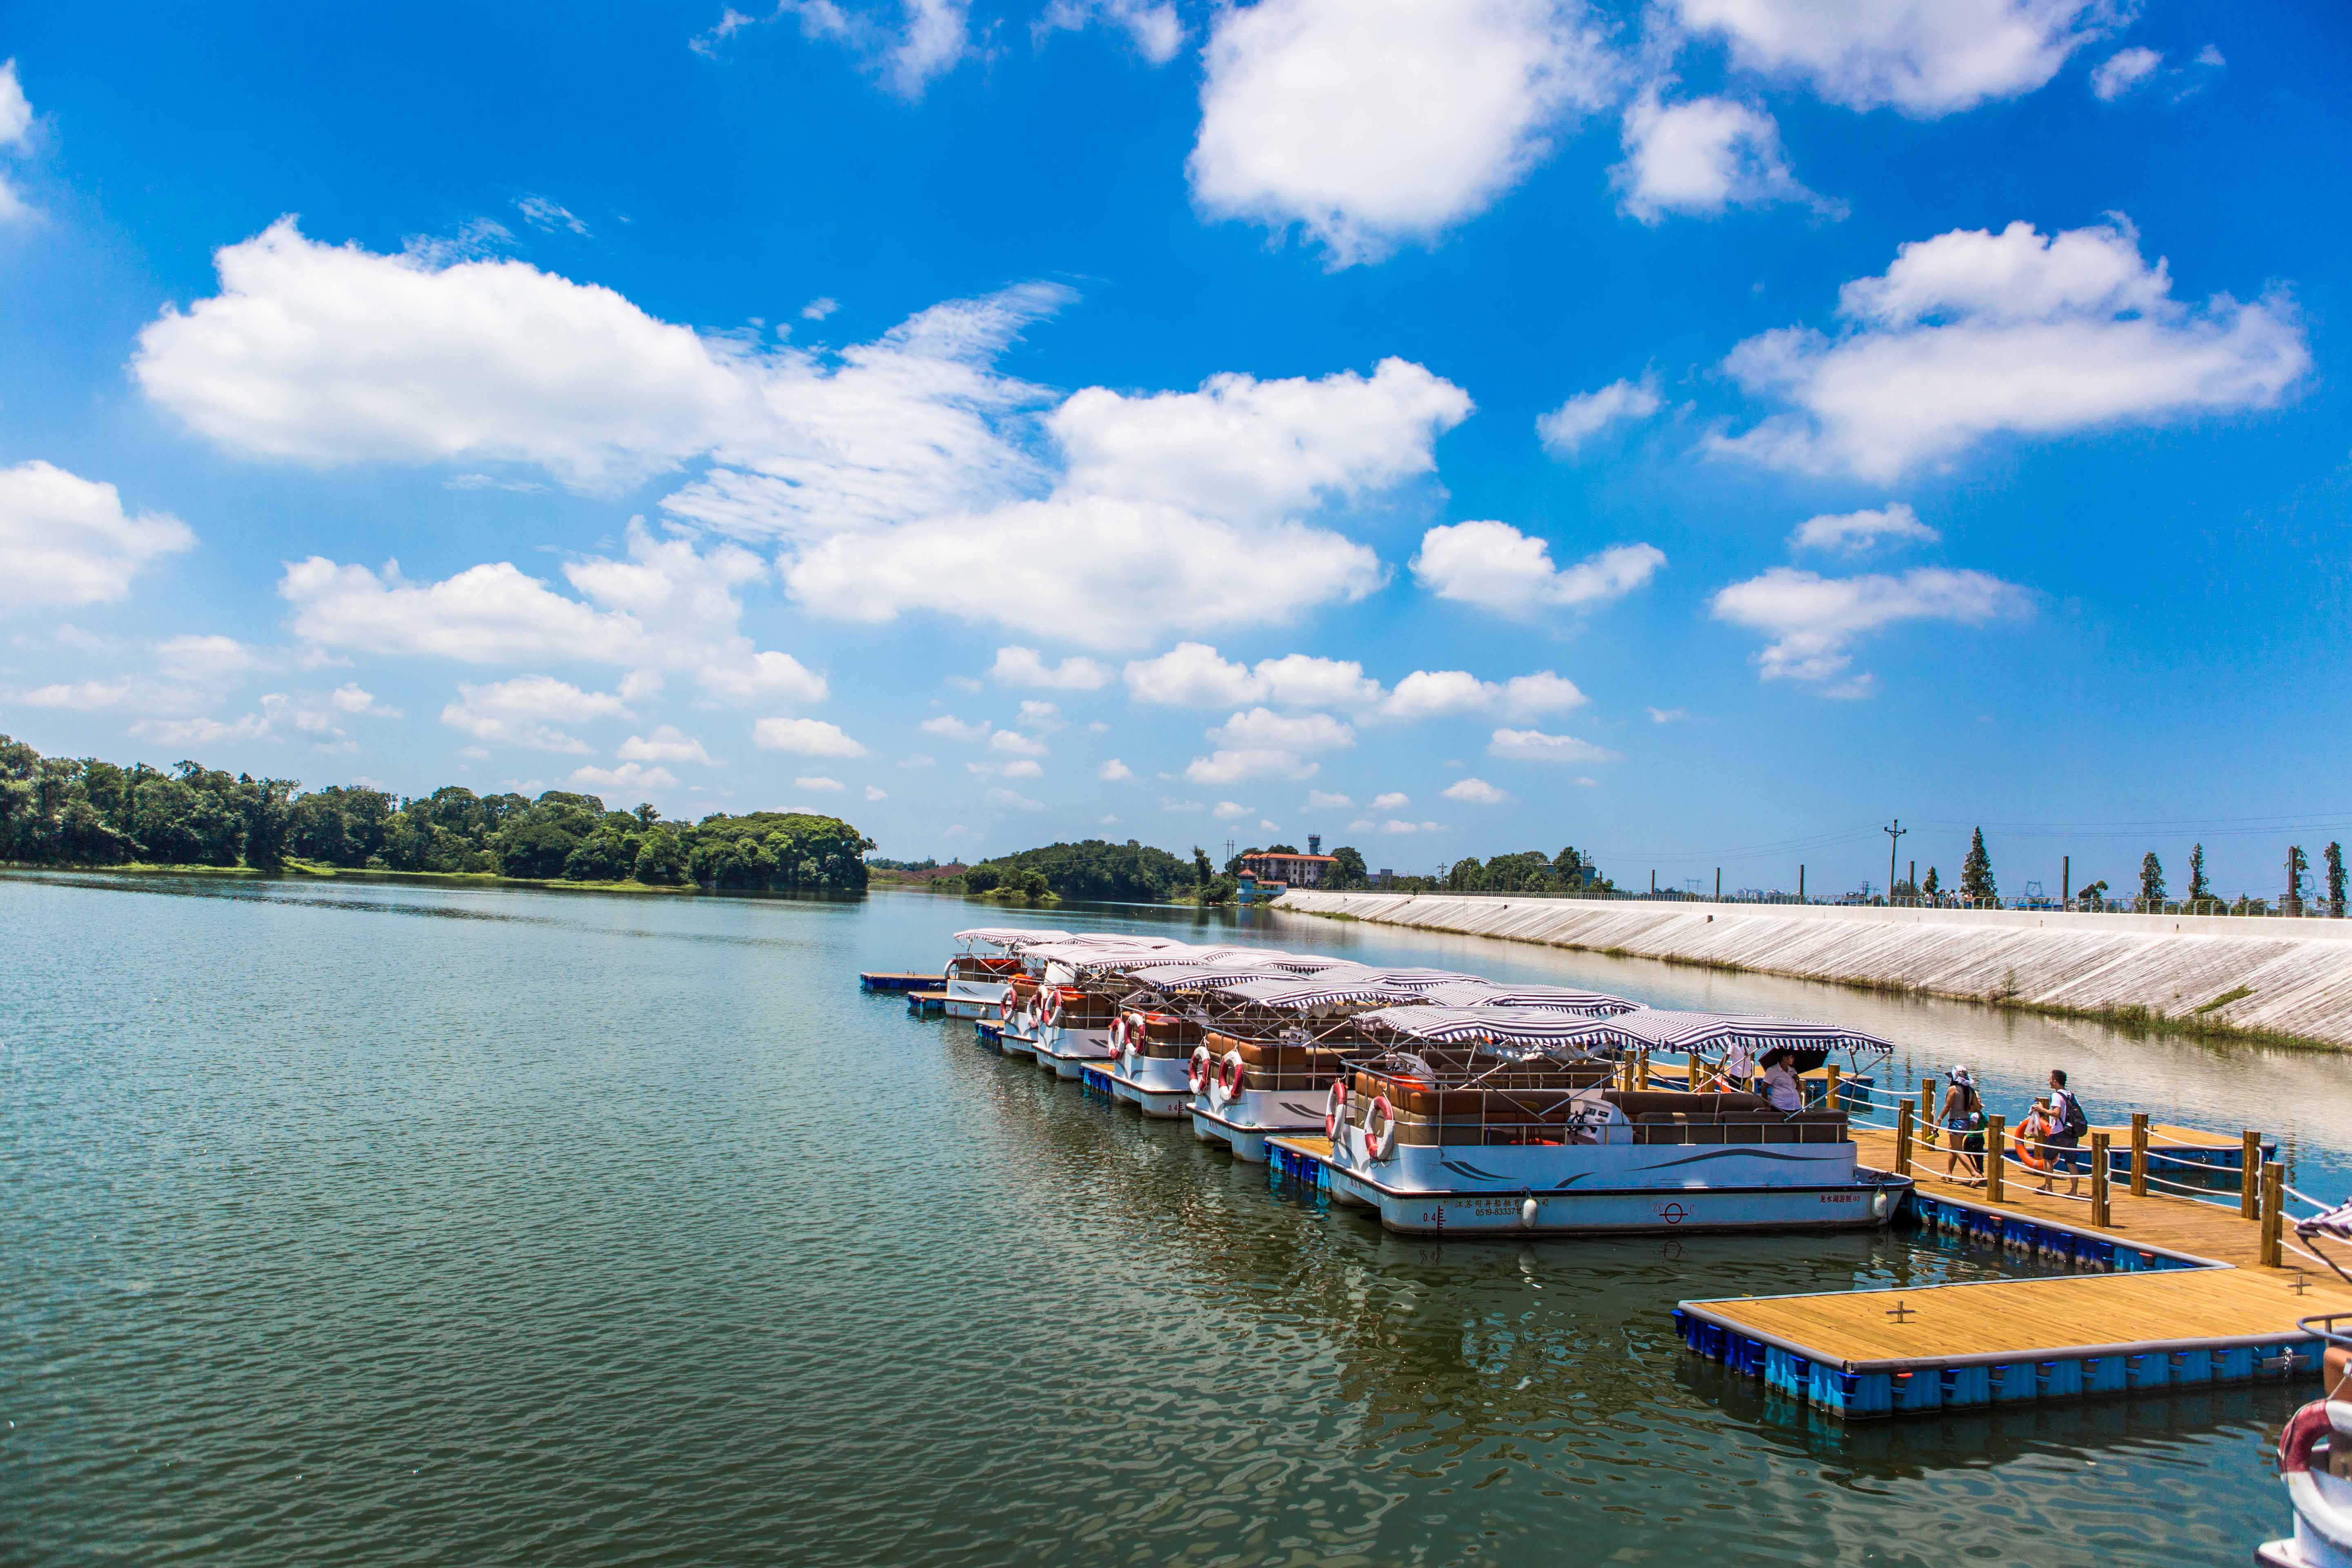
{"x": 1697, "y": 432}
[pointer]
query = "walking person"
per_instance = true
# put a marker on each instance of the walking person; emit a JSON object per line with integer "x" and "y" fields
{"x": 1962, "y": 1117}
{"x": 2064, "y": 1141}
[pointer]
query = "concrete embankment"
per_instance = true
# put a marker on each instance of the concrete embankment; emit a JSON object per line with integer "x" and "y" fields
{"x": 2282, "y": 978}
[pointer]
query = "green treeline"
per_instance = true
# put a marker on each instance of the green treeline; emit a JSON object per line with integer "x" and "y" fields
{"x": 58, "y": 811}
{"x": 1092, "y": 869}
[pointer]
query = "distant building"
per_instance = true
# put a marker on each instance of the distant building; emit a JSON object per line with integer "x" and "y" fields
{"x": 1296, "y": 870}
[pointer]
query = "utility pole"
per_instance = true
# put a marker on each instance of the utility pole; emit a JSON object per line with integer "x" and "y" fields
{"x": 1718, "y": 884}
{"x": 1895, "y": 831}
{"x": 2066, "y": 880}
{"x": 1800, "y": 882}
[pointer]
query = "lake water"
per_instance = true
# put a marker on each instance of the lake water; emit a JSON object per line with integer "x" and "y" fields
{"x": 371, "y": 1224}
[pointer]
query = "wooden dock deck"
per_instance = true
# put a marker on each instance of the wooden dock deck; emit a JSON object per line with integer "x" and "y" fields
{"x": 900, "y": 980}
{"x": 2190, "y": 1302}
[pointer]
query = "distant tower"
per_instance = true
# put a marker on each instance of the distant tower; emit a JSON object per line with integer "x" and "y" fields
{"x": 1314, "y": 844}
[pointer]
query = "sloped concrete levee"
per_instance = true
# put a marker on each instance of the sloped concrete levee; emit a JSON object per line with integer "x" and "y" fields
{"x": 2273, "y": 976}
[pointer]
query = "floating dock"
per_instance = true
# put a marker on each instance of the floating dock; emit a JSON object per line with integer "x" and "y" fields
{"x": 2173, "y": 1293}
{"x": 923, "y": 1004}
{"x": 894, "y": 979}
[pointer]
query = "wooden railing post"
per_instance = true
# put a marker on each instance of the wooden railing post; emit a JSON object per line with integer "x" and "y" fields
{"x": 1642, "y": 1070}
{"x": 2249, "y": 1176}
{"x": 1995, "y": 1157}
{"x": 1903, "y": 1139}
{"x": 2099, "y": 1180}
{"x": 2274, "y": 1216}
{"x": 2139, "y": 1154}
{"x": 1927, "y": 1099}
{"x": 1830, "y": 1094}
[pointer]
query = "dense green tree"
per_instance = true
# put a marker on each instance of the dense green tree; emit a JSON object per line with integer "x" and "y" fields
{"x": 1203, "y": 872}
{"x": 1132, "y": 872}
{"x": 2198, "y": 890}
{"x": 2334, "y": 860}
{"x": 1932, "y": 884}
{"x": 58, "y": 811}
{"x": 1976, "y": 883}
{"x": 2151, "y": 883}
{"x": 2298, "y": 868}
{"x": 1347, "y": 869}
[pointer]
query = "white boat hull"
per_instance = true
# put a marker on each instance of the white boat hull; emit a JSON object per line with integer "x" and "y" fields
{"x": 1244, "y": 1122}
{"x": 1598, "y": 1188}
{"x": 1018, "y": 1045}
{"x": 1159, "y": 1087}
{"x": 975, "y": 998}
{"x": 1069, "y": 1051}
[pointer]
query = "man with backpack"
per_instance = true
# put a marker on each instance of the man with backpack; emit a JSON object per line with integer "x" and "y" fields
{"x": 2064, "y": 1144}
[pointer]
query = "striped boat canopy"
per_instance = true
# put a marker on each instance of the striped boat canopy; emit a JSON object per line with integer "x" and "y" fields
{"x": 1010, "y": 937}
{"x": 1203, "y": 976}
{"x": 1655, "y": 1029}
{"x": 1495, "y": 1026}
{"x": 1540, "y": 998}
{"x": 1418, "y": 979}
{"x": 1291, "y": 994}
{"x": 2336, "y": 1222}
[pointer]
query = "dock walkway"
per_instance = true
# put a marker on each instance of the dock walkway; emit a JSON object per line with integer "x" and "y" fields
{"x": 2190, "y": 1302}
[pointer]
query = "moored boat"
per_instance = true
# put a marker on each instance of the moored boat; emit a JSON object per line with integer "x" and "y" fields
{"x": 1507, "y": 1121}
{"x": 2315, "y": 1451}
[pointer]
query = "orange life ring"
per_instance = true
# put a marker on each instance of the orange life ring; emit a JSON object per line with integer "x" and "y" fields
{"x": 1379, "y": 1145}
{"x": 1335, "y": 1109}
{"x": 2028, "y": 1150}
{"x": 1230, "y": 1073}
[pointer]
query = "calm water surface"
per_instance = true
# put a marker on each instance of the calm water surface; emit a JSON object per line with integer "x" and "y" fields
{"x": 371, "y": 1224}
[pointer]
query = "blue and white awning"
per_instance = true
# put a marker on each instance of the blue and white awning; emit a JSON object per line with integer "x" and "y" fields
{"x": 1656, "y": 1029}
{"x": 1494, "y": 1026}
{"x": 1539, "y": 998}
{"x": 1292, "y": 994}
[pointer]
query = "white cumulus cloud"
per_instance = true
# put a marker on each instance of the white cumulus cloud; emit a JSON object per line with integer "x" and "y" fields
{"x": 1476, "y": 792}
{"x": 1371, "y": 123}
{"x": 1565, "y": 429}
{"x": 1855, "y": 532}
{"x": 334, "y": 355}
{"x": 2122, "y": 71}
{"x": 665, "y": 607}
{"x": 628, "y": 776}
{"x": 64, "y": 540}
{"x": 1924, "y": 57}
{"x": 1972, "y": 335}
{"x": 1813, "y": 621}
{"x": 1152, "y": 25}
{"x": 1115, "y": 772}
{"x": 805, "y": 738}
{"x": 1700, "y": 156}
{"x": 1494, "y": 566}
{"x": 1023, "y": 666}
{"x": 1534, "y": 746}
{"x": 525, "y": 711}
{"x": 668, "y": 744}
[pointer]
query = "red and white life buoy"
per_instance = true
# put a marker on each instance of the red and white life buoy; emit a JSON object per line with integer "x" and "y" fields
{"x": 1119, "y": 1035}
{"x": 1230, "y": 1072}
{"x": 1335, "y": 1109}
{"x": 1379, "y": 1129}
{"x": 1201, "y": 1069}
{"x": 1052, "y": 1015}
{"x": 1005, "y": 1005}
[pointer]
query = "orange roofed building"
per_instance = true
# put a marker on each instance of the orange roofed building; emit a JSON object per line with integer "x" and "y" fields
{"x": 1296, "y": 870}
